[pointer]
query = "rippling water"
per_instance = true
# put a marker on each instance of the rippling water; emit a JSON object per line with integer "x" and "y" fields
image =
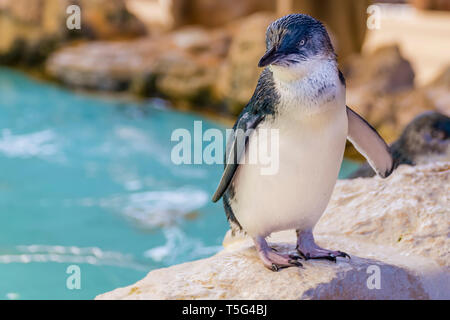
{"x": 88, "y": 181}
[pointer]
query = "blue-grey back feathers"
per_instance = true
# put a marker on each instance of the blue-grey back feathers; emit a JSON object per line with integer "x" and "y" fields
{"x": 263, "y": 103}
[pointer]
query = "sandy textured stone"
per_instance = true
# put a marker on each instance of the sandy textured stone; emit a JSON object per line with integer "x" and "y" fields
{"x": 410, "y": 212}
{"x": 400, "y": 224}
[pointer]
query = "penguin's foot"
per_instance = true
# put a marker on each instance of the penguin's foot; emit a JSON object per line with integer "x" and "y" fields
{"x": 272, "y": 259}
{"x": 308, "y": 249}
{"x": 321, "y": 253}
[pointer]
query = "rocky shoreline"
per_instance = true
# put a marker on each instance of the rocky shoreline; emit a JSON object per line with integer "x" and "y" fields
{"x": 397, "y": 228}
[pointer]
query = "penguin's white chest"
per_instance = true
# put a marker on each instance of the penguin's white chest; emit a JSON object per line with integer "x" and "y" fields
{"x": 310, "y": 151}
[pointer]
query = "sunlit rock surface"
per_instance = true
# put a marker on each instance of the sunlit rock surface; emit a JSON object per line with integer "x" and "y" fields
{"x": 399, "y": 226}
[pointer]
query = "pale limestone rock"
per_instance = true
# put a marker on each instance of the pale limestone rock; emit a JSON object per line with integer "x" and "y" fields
{"x": 400, "y": 224}
{"x": 409, "y": 212}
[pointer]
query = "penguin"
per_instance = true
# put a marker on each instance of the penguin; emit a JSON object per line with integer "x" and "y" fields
{"x": 300, "y": 95}
{"x": 425, "y": 139}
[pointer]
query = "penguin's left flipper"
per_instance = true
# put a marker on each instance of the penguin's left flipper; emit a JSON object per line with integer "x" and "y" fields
{"x": 370, "y": 144}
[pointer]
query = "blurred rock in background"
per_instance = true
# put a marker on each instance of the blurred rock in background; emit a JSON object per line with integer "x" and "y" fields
{"x": 239, "y": 72}
{"x": 439, "y": 91}
{"x": 181, "y": 66}
{"x": 376, "y": 87}
{"x": 30, "y": 30}
{"x": 108, "y": 19}
{"x": 172, "y": 14}
{"x": 215, "y": 13}
{"x": 432, "y": 4}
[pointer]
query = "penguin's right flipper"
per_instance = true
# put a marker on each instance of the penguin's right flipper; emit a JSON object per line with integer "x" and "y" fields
{"x": 236, "y": 149}
{"x": 370, "y": 144}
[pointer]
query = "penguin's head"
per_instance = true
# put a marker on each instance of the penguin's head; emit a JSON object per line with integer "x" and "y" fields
{"x": 296, "y": 41}
{"x": 428, "y": 133}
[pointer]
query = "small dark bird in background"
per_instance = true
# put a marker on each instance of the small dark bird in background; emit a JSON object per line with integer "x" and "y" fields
{"x": 301, "y": 95}
{"x": 425, "y": 139}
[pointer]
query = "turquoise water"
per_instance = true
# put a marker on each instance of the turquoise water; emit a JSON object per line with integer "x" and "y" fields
{"x": 88, "y": 181}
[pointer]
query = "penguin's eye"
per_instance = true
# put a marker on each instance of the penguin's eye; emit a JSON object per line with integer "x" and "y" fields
{"x": 302, "y": 43}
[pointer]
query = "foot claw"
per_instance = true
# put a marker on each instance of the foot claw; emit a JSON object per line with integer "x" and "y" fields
{"x": 307, "y": 248}
{"x": 302, "y": 255}
{"x": 344, "y": 255}
{"x": 296, "y": 263}
{"x": 278, "y": 261}
{"x": 274, "y": 260}
{"x": 332, "y": 256}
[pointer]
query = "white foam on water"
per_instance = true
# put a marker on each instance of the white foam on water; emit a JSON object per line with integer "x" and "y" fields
{"x": 178, "y": 243}
{"x": 151, "y": 209}
{"x": 163, "y": 208}
{"x": 36, "y": 144}
{"x": 70, "y": 254}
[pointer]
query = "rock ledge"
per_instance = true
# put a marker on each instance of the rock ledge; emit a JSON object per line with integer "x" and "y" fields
{"x": 399, "y": 226}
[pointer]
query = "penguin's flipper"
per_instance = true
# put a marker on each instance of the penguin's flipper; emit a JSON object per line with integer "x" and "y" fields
{"x": 370, "y": 144}
{"x": 236, "y": 146}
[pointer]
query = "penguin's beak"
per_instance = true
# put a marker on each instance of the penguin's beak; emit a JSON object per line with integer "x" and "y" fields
{"x": 269, "y": 57}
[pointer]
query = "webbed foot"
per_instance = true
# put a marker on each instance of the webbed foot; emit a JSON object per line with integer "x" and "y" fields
{"x": 274, "y": 260}
{"x": 321, "y": 253}
{"x": 308, "y": 249}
